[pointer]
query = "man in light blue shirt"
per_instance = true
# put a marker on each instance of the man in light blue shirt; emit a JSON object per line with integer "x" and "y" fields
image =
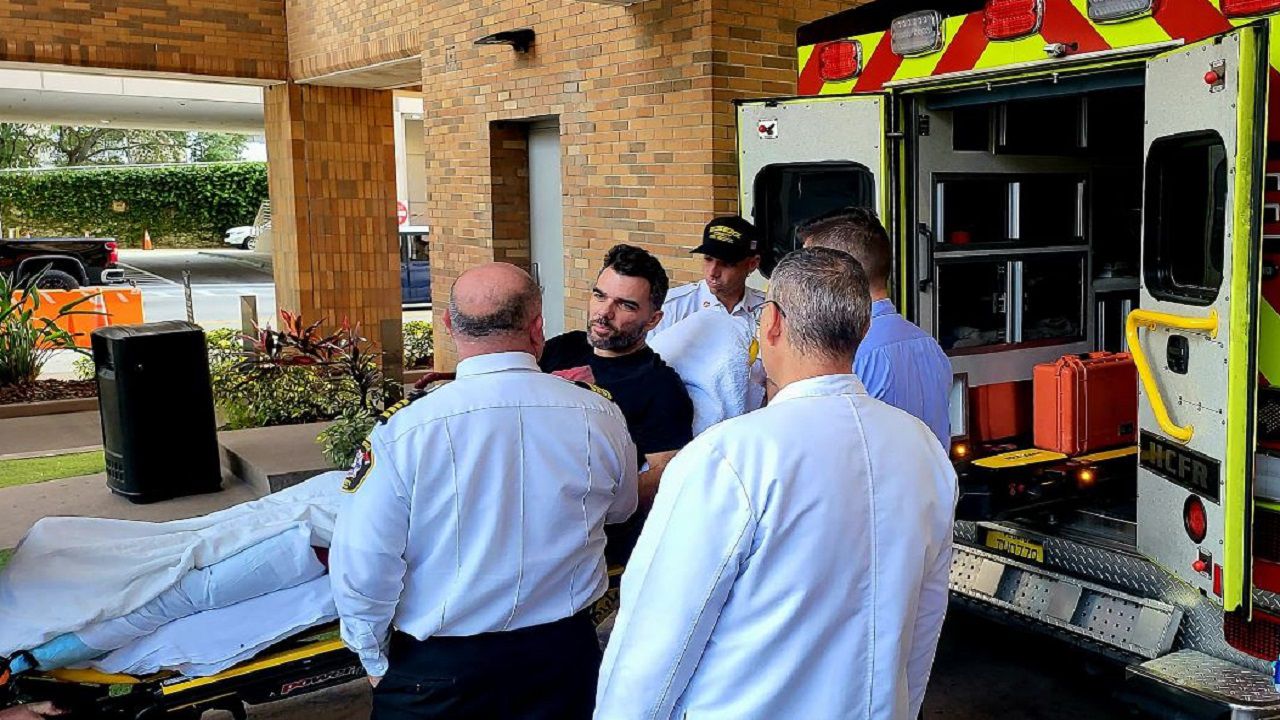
{"x": 897, "y": 361}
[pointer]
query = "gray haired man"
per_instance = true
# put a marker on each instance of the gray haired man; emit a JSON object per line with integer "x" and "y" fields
{"x": 814, "y": 534}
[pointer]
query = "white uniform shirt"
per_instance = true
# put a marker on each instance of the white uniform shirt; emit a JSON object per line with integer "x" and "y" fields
{"x": 795, "y": 565}
{"x": 483, "y": 509}
{"x": 688, "y": 299}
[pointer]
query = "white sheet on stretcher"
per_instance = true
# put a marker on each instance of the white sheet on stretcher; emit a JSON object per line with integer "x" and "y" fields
{"x": 211, "y": 641}
{"x": 68, "y": 573}
{"x": 711, "y": 351}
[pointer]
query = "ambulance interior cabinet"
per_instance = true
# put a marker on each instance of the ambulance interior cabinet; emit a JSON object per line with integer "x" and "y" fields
{"x": 976, "y": 211}
{"x": 987, "y": 301}
{"x": 156, "y": 402}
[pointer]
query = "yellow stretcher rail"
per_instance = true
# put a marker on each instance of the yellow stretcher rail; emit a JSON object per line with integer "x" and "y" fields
{"x": 1150, "y": 319}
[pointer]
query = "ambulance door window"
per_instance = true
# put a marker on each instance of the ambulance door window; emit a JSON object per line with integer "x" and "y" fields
{"x": 1186, "y": 200}
{"x": 789, "y": 195}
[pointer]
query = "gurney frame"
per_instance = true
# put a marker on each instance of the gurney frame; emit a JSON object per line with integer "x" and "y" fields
{"x": 305, "y": 664}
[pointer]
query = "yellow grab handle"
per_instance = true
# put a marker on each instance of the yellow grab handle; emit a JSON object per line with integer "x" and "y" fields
{"x": 1150, "y": 319}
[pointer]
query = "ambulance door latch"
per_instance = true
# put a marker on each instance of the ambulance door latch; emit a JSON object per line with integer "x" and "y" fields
{"x": 1216, "y": 78}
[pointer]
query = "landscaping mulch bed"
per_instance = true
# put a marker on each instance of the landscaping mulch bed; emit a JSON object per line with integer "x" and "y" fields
{"x": 46, "y": 390}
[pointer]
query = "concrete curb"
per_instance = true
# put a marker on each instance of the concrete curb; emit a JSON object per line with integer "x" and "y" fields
{"x": 251, "y": 262}
{"x": 50, "y": 453}
{"x": 50, "y": 407}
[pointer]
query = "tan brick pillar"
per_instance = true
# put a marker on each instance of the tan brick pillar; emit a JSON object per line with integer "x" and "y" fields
{"x": 331, "y": 159}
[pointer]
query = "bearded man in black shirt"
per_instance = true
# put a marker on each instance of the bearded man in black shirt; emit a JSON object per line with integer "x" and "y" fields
{"x": 626, "y": 303}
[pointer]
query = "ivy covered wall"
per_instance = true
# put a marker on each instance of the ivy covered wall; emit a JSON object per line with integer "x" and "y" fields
{"x": 181, "y": 205}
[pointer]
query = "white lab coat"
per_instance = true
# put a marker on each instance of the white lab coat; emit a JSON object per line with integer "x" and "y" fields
{"x": 795, "y": 565}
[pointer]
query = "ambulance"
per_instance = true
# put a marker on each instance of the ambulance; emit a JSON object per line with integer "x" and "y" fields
{"x": 1076, "y": 181}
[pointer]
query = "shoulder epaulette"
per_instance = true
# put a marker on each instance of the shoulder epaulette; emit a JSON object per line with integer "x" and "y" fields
{"x": 676, "y": 293}
{"x": 595, "y": 389}
{"x": 386, "y": 414}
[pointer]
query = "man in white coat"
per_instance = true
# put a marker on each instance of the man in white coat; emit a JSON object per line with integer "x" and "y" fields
{"x": 795, "y": 564}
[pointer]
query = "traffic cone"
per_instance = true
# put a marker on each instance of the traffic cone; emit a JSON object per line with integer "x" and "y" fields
{"x": 146, "y": 240}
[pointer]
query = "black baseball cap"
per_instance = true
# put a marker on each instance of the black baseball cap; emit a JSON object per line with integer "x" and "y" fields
{"x": 730, "y": 239}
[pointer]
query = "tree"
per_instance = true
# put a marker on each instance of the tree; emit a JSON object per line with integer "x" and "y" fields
{"x": 216, "y": 147}
{"x": 73, "y": 146}
{"x": 19, "y": 145}
{"x": 31, "y": 145}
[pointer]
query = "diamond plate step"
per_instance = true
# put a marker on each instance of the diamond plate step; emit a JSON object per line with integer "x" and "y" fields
{"x": 1139, "y": 626}
{"x": 1243, "y": 693}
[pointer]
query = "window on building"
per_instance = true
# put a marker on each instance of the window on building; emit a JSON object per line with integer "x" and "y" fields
{"x": 1186, "y": 214}
{"x": 788, "y": 195}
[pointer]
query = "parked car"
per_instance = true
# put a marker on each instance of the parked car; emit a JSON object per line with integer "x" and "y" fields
{"x": 245, "y": 236}
{"x": 415, "y": 265}
{"x": 68, "y": 263}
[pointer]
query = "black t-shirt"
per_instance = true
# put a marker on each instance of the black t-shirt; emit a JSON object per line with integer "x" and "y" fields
{"x": 651, "y": 395}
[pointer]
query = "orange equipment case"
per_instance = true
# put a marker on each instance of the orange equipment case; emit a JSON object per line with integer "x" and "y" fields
{"x": 1085, "y": 403}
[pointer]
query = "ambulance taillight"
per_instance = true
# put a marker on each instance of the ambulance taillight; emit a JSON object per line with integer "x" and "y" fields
{"x": 1195, "y": 520}
{"x": 1242, "y": 8}
{"x": 1104, "y": 11}
{"x": 1012, "y": 19}
{"x": 839, "y": 60}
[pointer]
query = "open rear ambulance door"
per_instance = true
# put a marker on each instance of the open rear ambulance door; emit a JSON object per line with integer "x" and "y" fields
{"x": 798, "y": 159}
{"x": 1195, "y": 336}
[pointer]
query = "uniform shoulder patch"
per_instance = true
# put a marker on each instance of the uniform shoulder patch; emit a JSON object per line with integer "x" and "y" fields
{"x": 364, "y": 456}
{"x": 595, "y": 389}
{"x": 360, "y": 468}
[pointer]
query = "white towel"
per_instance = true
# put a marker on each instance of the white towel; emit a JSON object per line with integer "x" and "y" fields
{"x": 713, "y": 353}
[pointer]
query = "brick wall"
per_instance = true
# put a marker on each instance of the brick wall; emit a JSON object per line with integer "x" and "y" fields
{"x": 333, "y": 194}
{"x": 643, "y": 98}
{"x": 509, "y": 192}
{"x": 229, "y": 38}
{"x": 328, "y": 36}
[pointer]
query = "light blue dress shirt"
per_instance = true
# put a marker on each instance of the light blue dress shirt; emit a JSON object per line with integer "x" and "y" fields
{"x": 795, "y": 565}
{"x": 904, "y": 366}
{"x": 483, "y": 509}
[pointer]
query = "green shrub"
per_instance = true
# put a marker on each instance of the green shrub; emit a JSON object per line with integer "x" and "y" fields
{"x": 293, "y": 375}
{"x": 26, "y": 341}
{"x": 84, "y": 368}
{"x": 178, "y": 204}
{"x": 282, "y": 396}
{"x": 419, "y": 344}
{"x": 342, "y": 439}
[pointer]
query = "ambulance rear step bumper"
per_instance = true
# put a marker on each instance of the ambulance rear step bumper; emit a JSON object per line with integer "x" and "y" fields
{"x": 1091, "y": 613}
{"x": 1191, "y": 684}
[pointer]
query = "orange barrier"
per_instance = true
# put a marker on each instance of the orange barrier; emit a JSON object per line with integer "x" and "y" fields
{"x": 118, "y": 306}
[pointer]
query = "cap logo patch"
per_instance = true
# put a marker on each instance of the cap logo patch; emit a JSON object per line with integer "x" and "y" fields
{"x": 723, "y": 234}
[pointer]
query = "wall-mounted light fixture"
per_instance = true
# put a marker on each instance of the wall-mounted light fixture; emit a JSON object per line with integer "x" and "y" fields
{"x": 521, "y": 40}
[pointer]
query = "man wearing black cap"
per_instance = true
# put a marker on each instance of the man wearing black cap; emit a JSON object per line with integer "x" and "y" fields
{"x": 730, "y": 252}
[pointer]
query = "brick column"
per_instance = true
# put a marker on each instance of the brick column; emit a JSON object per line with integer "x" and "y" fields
{"x": 331, "y": 153}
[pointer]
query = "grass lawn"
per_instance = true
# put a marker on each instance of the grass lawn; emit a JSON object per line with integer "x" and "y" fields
{"x": 5, "y": 554}
{"x": 34, "y": 470}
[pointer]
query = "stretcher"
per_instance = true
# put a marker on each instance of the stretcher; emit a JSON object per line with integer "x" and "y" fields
{"x": 306, "y": 663}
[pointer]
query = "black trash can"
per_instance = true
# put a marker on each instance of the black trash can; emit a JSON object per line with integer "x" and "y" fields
{"x": 156, "y": 401}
